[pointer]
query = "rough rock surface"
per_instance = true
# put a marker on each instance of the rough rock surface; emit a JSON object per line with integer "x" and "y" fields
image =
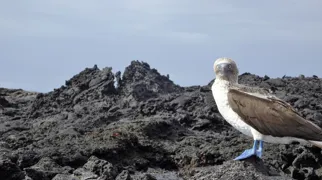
{"x": 140, "y": 125}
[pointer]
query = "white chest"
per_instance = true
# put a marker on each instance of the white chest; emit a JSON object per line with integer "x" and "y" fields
{"x": 219, "y": 92}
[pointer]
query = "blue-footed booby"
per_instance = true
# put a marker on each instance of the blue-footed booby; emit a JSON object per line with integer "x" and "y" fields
{"x": 258, "y": 113}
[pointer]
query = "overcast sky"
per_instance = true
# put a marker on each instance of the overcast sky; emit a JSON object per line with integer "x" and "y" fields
{"x": 45, "y": 42}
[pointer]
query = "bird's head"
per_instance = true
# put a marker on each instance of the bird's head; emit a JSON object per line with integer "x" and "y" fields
{"x": 226, "y": 69}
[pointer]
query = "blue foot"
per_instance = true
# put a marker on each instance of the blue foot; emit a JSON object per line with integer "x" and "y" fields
{"x": 259, "y": 151}
{"x": 246, "y": 154}
{"x": 252, "y": 152}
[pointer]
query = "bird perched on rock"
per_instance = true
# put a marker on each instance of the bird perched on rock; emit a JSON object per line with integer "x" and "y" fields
{"x": 257, "y": 113}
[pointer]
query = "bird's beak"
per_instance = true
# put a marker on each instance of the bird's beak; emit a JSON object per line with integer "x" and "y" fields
{"x": 225, "y": 68}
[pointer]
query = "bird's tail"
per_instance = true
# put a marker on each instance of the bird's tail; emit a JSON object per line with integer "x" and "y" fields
{"x": 317, "y": 143}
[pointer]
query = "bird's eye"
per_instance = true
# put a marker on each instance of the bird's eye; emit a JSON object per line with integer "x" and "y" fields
{"x": 229, "y": 66}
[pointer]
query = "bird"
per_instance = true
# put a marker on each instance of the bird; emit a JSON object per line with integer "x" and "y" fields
{"x": 257, "y": 113}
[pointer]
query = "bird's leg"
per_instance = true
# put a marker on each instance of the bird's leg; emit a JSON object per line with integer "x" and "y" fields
{"x": 252, "y": 152}
{"x": 259, "y": 152}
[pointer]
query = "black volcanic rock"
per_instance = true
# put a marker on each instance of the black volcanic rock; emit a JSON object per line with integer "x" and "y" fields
{"x": 142, "y": 82}
{"x": 46, "y": 168}
{"x": 9, "y": 170}
{"x": 144, "y": 127}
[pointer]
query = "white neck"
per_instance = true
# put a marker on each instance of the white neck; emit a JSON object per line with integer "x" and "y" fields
{"x": 225, "y": 83}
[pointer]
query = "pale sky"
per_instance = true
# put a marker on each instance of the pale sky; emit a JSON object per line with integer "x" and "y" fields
{"x": 45, "y": 42}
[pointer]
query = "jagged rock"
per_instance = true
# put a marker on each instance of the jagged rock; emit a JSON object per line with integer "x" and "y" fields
{"x": 45, "y": 169}
{"x": 4, "y": 102}
{"x": 96, "y": 168}
{"x": 275, "y": 82}
{"x": 156, "y": 174}
{"x": 230, "y": 170}
{"x": 124, "y": 175}
{"x": 65, "y": 177}
{"x": 142, "y": 82}
{"x": 146, "y": 127}
{"x": 145, "y": 177}
{"x": 10, "y": 171}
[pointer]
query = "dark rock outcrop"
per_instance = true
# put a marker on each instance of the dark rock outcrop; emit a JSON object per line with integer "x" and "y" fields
{"x": 145, "y": 127}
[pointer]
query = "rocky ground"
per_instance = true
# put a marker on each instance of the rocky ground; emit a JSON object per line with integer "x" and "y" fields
{"x": 141, "y": 125}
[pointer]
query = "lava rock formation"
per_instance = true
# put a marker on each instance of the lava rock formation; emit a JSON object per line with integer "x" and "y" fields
{"x": 141, "y": 125}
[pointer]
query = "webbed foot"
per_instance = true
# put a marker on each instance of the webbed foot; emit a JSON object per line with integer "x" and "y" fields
{"x": 252, "y": 152}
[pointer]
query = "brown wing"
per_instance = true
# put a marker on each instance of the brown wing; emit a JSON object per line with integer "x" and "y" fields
{"x": 272, "y": 116}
